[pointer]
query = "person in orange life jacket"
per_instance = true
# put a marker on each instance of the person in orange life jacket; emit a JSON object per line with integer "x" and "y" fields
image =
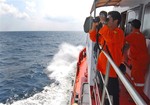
{"x": 138, "y": 54}
{"x": 99, "y": 21}
{"x": 102, "y": 21}
{"x": 112, "y": 37}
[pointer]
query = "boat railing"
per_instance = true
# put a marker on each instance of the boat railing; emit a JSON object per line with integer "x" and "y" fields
{"x": 131, "y": 90}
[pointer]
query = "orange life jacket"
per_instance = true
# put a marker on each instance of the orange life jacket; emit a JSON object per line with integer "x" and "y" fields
{"x": 114, "y": 40}
{"x": 138, "y": 55}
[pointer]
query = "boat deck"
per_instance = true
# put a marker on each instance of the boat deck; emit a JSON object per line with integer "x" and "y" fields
{"x": 83, "y": 94}
{"x": 125, "y": 98}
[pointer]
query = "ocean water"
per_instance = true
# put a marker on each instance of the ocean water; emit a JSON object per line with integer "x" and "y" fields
{"x": 36, "y": 68}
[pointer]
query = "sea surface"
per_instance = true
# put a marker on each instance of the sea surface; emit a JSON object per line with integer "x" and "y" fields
{"x": 36, "y": 68}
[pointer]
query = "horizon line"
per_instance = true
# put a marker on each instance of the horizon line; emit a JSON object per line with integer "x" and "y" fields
{"x": 45, "y": 31}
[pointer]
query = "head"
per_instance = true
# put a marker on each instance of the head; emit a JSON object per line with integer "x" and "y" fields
{"x": 103, "y": 16}
{"x": 114, "y": 19}
{"x": 136, "y": 24}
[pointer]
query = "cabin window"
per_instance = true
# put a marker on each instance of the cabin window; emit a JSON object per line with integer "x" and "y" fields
{"x": 132, "y": 14}
{"x": 146, "y": 23}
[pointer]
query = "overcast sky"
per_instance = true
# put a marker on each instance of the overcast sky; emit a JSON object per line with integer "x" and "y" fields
{"x": 43, "y": 15}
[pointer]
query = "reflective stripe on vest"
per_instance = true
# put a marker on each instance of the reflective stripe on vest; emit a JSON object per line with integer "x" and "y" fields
{"x": 139, "y": 84}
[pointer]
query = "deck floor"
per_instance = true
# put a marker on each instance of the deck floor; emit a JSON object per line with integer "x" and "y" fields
{"x": 125, "y": 98}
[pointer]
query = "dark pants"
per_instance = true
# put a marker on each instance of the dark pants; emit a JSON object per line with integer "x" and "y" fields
{"x": 113, "y": 89}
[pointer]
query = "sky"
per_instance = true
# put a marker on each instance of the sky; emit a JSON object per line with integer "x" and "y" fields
{"x": 43, "y": 15}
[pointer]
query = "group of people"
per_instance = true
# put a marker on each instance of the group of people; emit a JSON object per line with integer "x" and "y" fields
{"x": 114, "y": 42}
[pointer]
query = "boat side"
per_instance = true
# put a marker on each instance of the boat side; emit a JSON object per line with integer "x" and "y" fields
{"x": 80, "y": 77}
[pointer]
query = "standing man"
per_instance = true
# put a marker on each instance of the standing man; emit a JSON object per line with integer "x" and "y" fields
{"x": 138, "y": 54}
{"x": 112, "y": 38}
{"x": 99, "y": 21}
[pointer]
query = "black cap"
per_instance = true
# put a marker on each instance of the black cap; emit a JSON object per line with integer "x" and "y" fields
{"x": 135, "y": 23}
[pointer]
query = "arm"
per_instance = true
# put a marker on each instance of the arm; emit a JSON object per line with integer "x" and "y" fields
{"x": 93, "y": 32}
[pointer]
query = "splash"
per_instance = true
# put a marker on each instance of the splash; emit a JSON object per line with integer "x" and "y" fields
{"x": 62, "y": 70}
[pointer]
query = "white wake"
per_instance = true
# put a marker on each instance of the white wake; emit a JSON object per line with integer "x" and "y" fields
{"x": 62, "y": 70}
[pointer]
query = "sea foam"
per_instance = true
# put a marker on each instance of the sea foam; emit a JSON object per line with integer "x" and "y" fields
{"x": 61, "y": 69}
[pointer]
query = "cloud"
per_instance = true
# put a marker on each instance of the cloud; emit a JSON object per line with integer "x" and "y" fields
{"x": 1, "y": 1}
{"x": 43, "y": 14}
{"x": 9, "y": 9}
{"x": 59, "y": 19}
{"x": 30, "y": 6}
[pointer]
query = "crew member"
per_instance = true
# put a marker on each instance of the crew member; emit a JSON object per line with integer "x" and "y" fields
{"x": 112, "y": 38}
{"x": 138, "y": 54}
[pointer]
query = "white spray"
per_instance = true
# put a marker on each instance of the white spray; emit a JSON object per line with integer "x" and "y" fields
{"x": 62, "y": 70}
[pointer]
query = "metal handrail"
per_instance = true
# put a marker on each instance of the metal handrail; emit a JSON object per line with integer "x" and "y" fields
{"x": 105, "y": 88}
{"x": 133, "y": 93}
{"x": 105, "y": 84}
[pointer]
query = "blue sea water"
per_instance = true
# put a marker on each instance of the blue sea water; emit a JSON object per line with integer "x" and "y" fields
{"x": 37, "y": 67}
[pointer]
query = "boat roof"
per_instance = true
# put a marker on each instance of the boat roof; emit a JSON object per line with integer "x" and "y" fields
{"x": 101, "y": 3}
{"x": 117, "y": 3}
